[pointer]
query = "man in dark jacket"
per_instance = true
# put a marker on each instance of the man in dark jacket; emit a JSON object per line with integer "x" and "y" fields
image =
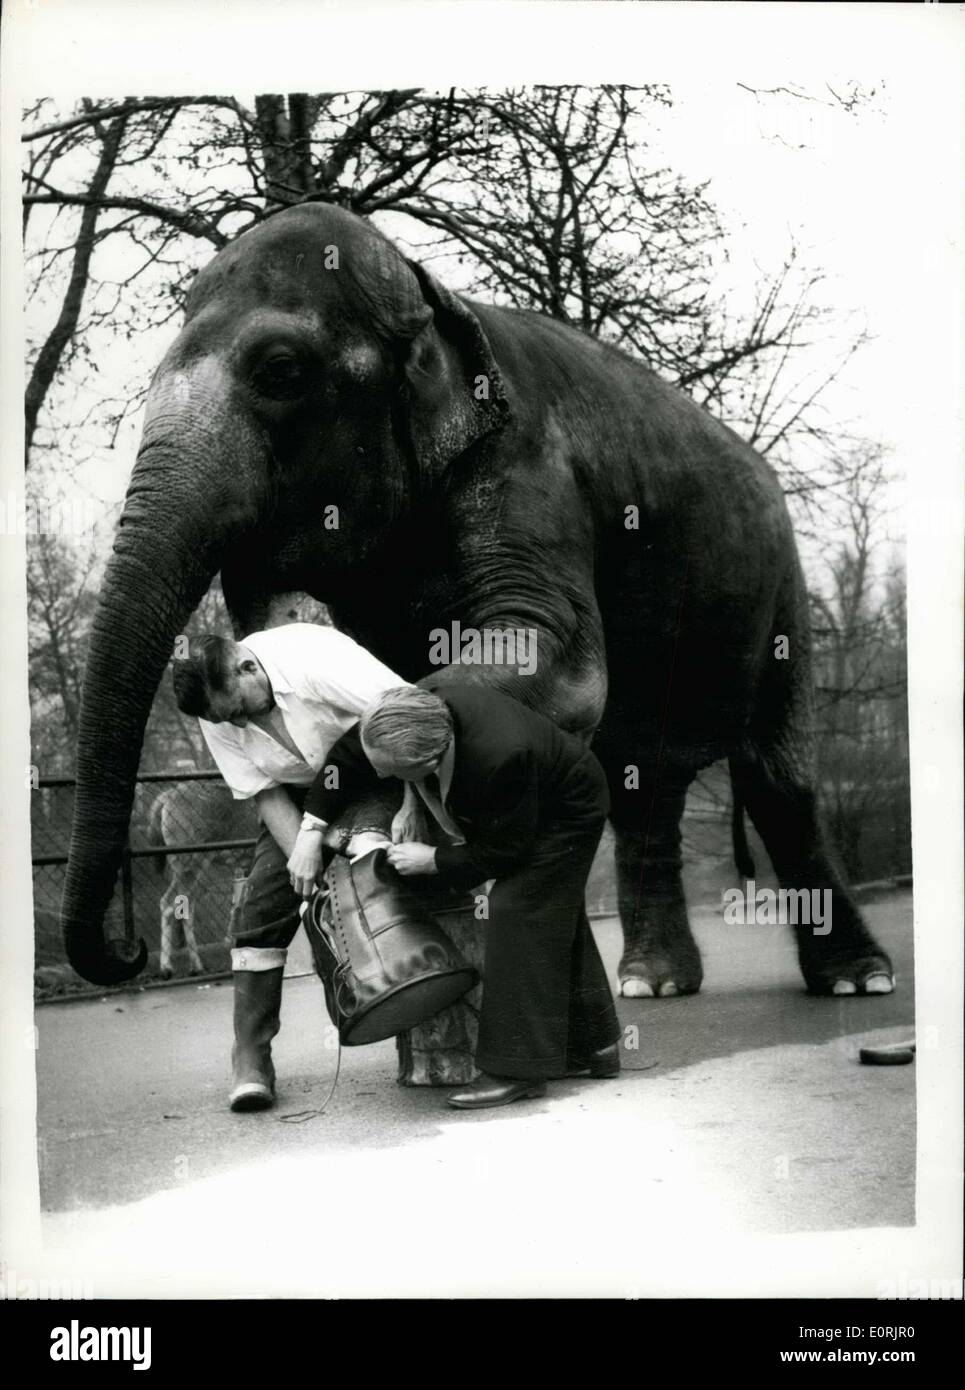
{"x": 523, "y": 803}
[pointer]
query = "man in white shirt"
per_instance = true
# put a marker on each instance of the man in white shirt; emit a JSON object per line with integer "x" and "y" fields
{"x": 270, "y": 707}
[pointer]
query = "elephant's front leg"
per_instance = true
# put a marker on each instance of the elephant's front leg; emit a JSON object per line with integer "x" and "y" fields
{"x": 660, "y": 956}
{"x": 557, "y": 667}
{"x": 368, "y": 818}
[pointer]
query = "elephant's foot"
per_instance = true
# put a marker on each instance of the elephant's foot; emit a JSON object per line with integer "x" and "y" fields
{"x": 660, "y": 970}
{"x": 858, "y": 966}
{"x": 866, "y": 974}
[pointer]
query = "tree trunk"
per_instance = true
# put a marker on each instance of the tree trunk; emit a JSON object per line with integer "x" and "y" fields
{"x": 48, "y": 361}
{"x": 285, "y": 131}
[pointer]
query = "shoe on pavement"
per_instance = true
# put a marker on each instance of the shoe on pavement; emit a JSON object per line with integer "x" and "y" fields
{"x": 496, "y": 1090}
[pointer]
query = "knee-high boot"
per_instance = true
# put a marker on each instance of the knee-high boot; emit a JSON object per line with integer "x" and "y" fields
{"x": 258, "y": 973}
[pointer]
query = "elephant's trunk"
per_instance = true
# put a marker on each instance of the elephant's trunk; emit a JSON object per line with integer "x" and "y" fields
{"x": 172, "y": 534}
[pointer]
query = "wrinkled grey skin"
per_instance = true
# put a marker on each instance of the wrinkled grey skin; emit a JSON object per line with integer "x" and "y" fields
{"x": 482, "y": 461}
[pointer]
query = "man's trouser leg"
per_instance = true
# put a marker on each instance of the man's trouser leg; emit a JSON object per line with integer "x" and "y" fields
{"x": 268, "y": 921}
{"x": 545, "y": 992}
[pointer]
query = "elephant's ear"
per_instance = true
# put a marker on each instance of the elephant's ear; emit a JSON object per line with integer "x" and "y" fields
{"x": 454, "y": 389}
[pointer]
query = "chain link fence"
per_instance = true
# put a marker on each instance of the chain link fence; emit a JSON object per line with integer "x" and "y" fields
{"x": 190, "y": 847}
{"x": 189, "y": 850}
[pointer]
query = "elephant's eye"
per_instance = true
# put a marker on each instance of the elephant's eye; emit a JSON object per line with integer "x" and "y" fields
{"x": 280, "y": 376}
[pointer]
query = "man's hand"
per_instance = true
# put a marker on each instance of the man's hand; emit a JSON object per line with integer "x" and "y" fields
{"x": 409, "y": 822}
{"x": 412, "y": 859}
{"x": 305, "y": 862}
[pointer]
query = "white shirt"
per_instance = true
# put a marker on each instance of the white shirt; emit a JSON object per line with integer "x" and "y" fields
{"x": 321, "y": 681}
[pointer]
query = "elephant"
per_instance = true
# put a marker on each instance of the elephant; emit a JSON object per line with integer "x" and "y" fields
{"x": 333, "y": 419}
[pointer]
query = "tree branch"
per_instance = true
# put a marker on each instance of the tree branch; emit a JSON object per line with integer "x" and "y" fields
{"x": 49, "y": 357}
{"x": 184, "y": 221}
{"x": 129, "y": 108}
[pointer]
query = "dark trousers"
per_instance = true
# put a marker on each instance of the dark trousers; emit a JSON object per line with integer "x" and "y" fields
{"x": 546, "y": 998}
{"x": 269, "y": 914}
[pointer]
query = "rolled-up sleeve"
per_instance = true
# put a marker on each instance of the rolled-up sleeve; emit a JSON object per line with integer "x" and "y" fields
{"x": 504, "y": 829}
{"x": 239, "y": 772}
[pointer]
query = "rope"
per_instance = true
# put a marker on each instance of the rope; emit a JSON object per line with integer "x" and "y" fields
{"x": 298, "y": 1117}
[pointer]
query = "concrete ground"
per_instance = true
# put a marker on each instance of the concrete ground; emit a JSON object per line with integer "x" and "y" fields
{"x": 740, "y": 1110}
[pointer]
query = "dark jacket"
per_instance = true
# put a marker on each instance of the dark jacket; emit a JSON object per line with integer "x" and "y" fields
{"x": 515, "y": 775}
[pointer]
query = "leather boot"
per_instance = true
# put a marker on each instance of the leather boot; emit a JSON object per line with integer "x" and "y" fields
{"x": 258, "y": 976}
{"x": 495, "y": 1090}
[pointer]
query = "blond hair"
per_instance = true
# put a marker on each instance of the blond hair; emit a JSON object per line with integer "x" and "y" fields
{"x": 408, "y": 725}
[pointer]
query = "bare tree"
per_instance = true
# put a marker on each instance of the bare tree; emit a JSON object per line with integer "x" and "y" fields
{"x": 552, "y": 199}
{"x": 175, "y": 178}
{"x": 49, "y": 357}
{"x": 861, "y": 685}
{"x": 60, "y": 605}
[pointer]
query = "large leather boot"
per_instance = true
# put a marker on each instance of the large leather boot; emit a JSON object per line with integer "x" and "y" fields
{"x": 258, "y": 976}
{"x": 384, "y": 960}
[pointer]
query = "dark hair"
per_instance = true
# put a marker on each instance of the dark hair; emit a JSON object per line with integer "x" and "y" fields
{"x": 205, "y": 670}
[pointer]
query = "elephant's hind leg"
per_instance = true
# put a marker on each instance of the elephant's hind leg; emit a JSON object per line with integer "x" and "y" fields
{"x": 660, "y": 955}
{"x": 838, "y": 954}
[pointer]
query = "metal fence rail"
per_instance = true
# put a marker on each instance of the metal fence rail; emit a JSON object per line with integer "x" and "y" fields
{"x": 189, "y": 849}
{"x": 182, "y": 873}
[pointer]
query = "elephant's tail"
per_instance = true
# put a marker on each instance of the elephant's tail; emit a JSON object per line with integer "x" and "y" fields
{"x": 155, "y": 833}
{"x": 742, "y": 853}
